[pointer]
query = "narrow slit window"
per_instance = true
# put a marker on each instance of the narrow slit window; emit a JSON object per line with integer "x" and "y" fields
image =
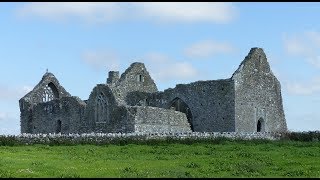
{"x": 140, "y": 78}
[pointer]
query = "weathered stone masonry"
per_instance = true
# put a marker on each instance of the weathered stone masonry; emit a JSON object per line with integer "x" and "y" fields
{"x": 249, "y": 101}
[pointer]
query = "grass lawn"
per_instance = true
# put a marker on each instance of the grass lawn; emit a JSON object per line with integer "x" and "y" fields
{"x": 202, "y": 159}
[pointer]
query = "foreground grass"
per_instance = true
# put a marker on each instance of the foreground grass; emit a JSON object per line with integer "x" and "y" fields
{"x": 203, "y": 159}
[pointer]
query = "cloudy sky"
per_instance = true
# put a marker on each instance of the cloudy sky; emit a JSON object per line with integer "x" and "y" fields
{"x": 178, "y": 42}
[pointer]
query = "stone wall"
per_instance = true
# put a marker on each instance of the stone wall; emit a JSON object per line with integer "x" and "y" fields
{"x": 135, "y": 79}
{"x": 257, "y": 95}
{"x": 72, "y": 114}
{"x": 47, "y": 89}
{"x": 60, "y": 115}
{"x": 107, "y": 138}
{"x": 115, "y": 115}
{"x": 26, "y": 119}
{"x": 211, "y": 104}
{"x": 152, "y": 119}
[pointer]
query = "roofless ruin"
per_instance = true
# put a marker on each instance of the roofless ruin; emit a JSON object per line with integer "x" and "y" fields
{"x": 249, "y": 101}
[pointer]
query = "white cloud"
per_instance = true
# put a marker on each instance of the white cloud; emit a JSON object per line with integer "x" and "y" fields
{"x": 180, "y": 70}
{"x": 88, "y": 11}
{"x": 189, "y": 11}
{"x": 101, "y": 60}
{"x": 9, "y": 114}
{"x": 9, "y": 125}
{"x": 208, "y": 48}
{"x": 26, "y": 89}
{"x": 13, "y": 93}
{"x": 216, "y": 12}
{"x": 305, "y": 45}
{"x": 308, "y": 88}
{"x": 309, "y": 119}
{"x": 296, "y": 46}
{"x": 164, "y": 69}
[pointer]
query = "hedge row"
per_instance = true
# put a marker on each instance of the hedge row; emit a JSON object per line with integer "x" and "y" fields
{"x": 152, "y": 138}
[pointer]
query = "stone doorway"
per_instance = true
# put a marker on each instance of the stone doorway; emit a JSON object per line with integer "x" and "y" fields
{"x": 58, "y": 130}
{"x": 260, "y": 125}
{"x": 178, "y": 105}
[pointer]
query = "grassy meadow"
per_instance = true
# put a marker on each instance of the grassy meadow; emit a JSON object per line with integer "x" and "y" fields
{"x": 225, "y": 158}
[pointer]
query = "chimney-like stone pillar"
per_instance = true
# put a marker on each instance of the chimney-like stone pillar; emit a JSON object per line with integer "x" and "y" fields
{"x": 113, "y": 77}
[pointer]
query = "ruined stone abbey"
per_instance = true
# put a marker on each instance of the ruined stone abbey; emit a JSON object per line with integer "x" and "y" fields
{"x": 249, "y": 101}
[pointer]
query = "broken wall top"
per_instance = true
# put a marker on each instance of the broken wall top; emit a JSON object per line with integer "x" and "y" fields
{"x": 256, "y": 61}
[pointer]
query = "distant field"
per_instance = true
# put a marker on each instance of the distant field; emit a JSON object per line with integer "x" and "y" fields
{"x": 203, "y": 159}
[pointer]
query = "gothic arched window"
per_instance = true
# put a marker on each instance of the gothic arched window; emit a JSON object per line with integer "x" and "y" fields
{"x": 101, "y": 109}
{"x": 50, "y": 92}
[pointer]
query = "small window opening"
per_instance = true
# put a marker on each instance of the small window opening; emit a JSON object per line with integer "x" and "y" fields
{"x": 259, "y": 58}
{"x": 140, "y": 78}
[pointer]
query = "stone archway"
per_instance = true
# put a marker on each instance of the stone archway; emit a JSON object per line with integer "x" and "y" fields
{"x": 179, "y": 105}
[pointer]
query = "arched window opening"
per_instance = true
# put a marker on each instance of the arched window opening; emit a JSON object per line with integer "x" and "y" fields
{"x": 178, "y": 105}
{"x": 54, "y": 90}
{"x": 50, "y": 92}
{"x": 260, "y": 125}
{"x": 101, "y": 109}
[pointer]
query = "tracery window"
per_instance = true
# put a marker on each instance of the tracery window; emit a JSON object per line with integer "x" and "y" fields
{"x": 50, "y": 92}
{"x": 101, "y": 109}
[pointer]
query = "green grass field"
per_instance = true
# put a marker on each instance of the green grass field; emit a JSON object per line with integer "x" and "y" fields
{"x": 203, "y": 159}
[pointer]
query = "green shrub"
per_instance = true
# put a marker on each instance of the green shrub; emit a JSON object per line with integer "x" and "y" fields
{"x": 8, "y": 141}
{"x": 302, "y": 136}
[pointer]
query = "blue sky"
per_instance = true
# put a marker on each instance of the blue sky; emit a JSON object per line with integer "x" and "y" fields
{"x": 178, "y": 42}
